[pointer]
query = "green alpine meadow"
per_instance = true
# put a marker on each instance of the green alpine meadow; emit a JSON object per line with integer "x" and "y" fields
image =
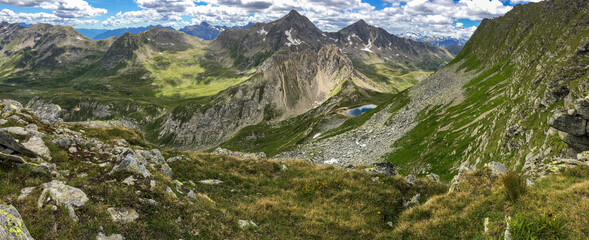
{"x": 353, "y": 119}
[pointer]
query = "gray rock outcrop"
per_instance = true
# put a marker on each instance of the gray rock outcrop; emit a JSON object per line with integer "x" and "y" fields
{"x": 12, "y": 226}
{"x": 123, "y": 215}
{"x": 45, "y": 110}
{"x": 62, "y": 195}
{"x": 571, "y": 122}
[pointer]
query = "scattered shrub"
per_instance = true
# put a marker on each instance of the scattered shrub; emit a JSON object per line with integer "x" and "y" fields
{"x": 514, "y": 185}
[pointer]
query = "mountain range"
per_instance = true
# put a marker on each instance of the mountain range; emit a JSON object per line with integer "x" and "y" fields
{"x": 202, "y": 30}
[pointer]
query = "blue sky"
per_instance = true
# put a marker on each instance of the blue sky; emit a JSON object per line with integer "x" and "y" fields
{"x": 457, "y": 18}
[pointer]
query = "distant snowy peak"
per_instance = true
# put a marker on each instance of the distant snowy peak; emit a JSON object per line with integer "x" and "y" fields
{"x": 438, "y": 41}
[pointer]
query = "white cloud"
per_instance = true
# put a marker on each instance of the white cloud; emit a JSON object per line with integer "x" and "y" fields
{"x": 10, "y": 16}
{"x": 61, "y": 8}
{"x": 522, "y": 1}
{"x": 438, "y": 17}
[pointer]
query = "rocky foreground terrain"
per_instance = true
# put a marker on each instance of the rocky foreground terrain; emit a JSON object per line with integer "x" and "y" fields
{"x": 72, "y": 180}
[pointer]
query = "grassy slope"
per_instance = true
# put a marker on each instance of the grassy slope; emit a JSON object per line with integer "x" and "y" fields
{"x": 305, "y": 201}
{"x": 556, "y": 208}
{"x": 503, "y": 94}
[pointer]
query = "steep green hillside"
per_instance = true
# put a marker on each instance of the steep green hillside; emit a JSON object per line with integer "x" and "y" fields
{"x": 524, "y": 64}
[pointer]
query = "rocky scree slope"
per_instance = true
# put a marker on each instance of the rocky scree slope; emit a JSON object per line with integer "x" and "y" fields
{"x": 491, "y": 102}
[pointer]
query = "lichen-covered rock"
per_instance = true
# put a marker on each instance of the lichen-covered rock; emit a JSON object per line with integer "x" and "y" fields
{"x": 211, "y": 181}
{"x": 12, "y": 226}
{"x": 37, "y": 145}
{"x": 246, "y": 224}
{"x": 10, "y": 106}
{"x": 385, "y": 168}
{"x": 228, "y": 152}
{"x": 63, "y": 195}
{"x": 101, "y": 236}
{"x": 9, "y": 145}
{"x": 155, "y": 159}
{"x": 25, "y": 192}
{"x": 62, "y": 142}
{"x": 497, "y": 168}
{"x": 434, "y": 177}
{"x": 45, "y": 110}
{"x": 17, "y": 131}
{"x": 123, "y": 215}
{"x": 410, "y": 179}
{"x": 581, "y": 105}
{"x": 131, "y": 163}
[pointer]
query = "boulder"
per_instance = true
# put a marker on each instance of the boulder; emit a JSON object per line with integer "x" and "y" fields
{"x": 173, "y": 159}
{"x": 410, "y": 179}
{"x": 131, "y": 163}
{"x": 123, "y": 215}
{"x": 12, "y": 227}
{"x": 574, "y": 125}
{"x": 101, "y": 236}
{"x": 434, "y": 177}
{"x": 243, "y": 224}
{"x": 581, "y": 105}
{"x": 211, "y": 181}
{"x": 25, "y": 192}
{"x": 11, "y": 158}
{"x": 62, "y": 142}
{"x": 63, "y": 195}
{"x": 3, "y": 121}
{"x": 155, "y": 159}
{"x": 45, "y": 110}
{"x": 17, "y": 131}
{"x": 413, "y": 202}
{"x": 385, "y": 168}
{"x": 10, "y": 106}
{"x": 578, "y": 143}
{"x": 497, "y": 168}
{"x": 37, "y": 145}
{"x": 129, "y": 181}
{"x": 224, "y": 151}
{"x": 8, "y": 142}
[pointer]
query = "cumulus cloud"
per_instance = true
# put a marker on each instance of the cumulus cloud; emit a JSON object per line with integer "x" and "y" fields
{"x": 11, "y": 16}
{"x": 437, "y": 17}
{"x": 61, "y": 8}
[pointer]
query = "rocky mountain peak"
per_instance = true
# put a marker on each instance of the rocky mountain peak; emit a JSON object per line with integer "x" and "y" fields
{"x": 295, "y": 20}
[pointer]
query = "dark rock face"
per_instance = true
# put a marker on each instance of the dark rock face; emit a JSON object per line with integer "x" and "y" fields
{"x": 573, "y": 124}
{"x": 386, "y": 168}
{"x": 9, "y": 145}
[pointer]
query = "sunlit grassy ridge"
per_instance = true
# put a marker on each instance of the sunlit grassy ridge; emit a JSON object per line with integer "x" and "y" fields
{"x": 556, "y": 208}
{"x": 511, "y": 90}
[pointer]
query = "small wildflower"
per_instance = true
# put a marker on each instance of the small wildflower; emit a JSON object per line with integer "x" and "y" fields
{"x": 378, "y": 212}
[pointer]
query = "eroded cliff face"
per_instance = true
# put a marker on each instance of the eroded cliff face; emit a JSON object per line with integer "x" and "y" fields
{"x": 286, "y": 85}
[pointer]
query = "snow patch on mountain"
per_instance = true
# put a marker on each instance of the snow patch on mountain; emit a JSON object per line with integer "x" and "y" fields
{"x": 291, "y": 40}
